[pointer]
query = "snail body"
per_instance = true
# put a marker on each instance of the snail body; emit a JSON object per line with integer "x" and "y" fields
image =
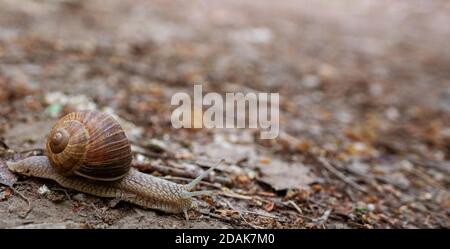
{"x": 89, "y": 152}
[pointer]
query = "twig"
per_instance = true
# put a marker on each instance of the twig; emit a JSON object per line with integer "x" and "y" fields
{"x": 166, "y": 170}
{"x": 246, "y": 222}
{"x": 97, "y": 212}
{"x": 24, "y": 215}
{"x": 322, "y": 219}
{"x": 286, "y": 204}
{"x": 440, "y": 166}
{"x": 295, "y": 206}
{"x": 429, "y": 180}
{"x": 260, "y": 214}
{"x": 241, "y": 216}
{"x": 250, "y": 212}
{"x": 151, "y": 154}
{"x": 317, "y": 203}
{"x": 232, "y": 194}
{"x": 214, "y": 215}
{"x": 341, "y": 176}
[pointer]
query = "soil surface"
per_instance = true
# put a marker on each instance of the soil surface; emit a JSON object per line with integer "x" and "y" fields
{"x": 364, "y": 88}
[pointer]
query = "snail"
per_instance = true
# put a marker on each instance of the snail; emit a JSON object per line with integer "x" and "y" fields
{"x": 88, "y": 151}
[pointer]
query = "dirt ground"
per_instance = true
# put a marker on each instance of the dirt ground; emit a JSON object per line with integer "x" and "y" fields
{"x": 364, "y": 107}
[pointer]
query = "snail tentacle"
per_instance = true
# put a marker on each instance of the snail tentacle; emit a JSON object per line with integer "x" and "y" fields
{"x": 197, "y": 180}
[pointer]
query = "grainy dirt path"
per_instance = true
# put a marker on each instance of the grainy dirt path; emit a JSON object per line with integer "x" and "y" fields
{"x": 364, "y": 86}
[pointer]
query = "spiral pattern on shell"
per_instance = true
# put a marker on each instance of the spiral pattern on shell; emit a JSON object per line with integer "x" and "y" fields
{"x": 91, "y": 144}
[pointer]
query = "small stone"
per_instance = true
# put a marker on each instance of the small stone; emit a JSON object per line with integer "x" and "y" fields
{"x": 140, "y": 158}
{"x": 392, "y": 113}
{"x": 43, "y": 190}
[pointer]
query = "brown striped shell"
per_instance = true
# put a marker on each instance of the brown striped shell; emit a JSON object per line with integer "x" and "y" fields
{"x": 91, "y": 144}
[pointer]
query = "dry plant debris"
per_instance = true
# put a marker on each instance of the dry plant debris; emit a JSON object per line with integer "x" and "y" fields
{"x": 364, "y": 108}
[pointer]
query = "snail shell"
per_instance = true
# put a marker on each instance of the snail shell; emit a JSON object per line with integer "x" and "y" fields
{"x": 90, "y": 144}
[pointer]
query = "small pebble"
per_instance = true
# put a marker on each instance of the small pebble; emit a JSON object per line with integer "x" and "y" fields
{"x": 140, "y": 158}
{"x": 43, "y": 190}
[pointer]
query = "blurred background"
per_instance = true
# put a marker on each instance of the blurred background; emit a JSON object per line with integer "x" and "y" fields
{"x": 365, "y": 84}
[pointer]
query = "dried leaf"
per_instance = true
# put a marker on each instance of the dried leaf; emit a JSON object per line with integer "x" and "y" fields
{"x": 280, "y": 175}
{"x": 269, "y": 206}
{"x": 232, "y": 153}
{"x": 6, "y": 194}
